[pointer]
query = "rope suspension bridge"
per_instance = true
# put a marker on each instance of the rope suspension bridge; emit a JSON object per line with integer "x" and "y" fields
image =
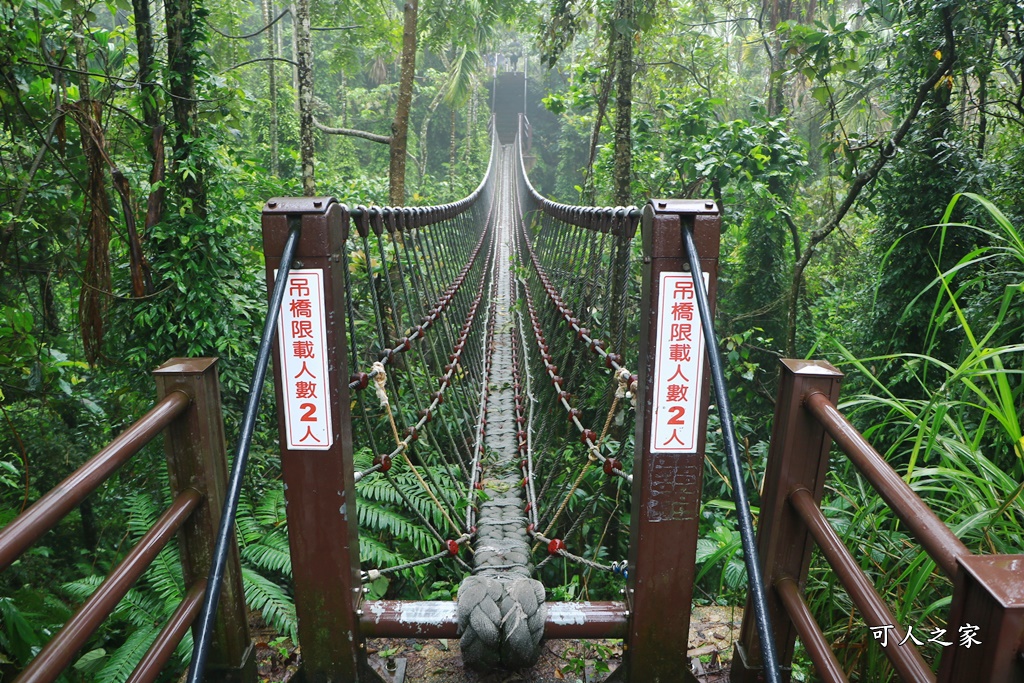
{"x": 507, "y": 370}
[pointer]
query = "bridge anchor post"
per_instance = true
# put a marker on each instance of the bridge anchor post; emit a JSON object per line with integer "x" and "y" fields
{"x": 311, "y": 387}
{"x": 666, "y": 484}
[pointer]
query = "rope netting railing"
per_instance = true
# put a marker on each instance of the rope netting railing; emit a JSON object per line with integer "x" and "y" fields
{"x": 414, "y": 284}
{"x": 579, "y": 316}
{"x": 416, "y": 301}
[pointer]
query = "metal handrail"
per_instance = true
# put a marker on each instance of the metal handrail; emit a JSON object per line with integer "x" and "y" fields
{"x": 906, "y": 659}
{"x": 208, "y": 615}
{"x": 935, "y": 537}
{"x": 755, "y": 579}
{"x": 57, "y": 654}
{"x": 45, "y": 513}
{"x": 159, "y": 653}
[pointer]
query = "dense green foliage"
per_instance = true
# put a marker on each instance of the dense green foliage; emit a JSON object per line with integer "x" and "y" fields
{"x": 835, "y": 136}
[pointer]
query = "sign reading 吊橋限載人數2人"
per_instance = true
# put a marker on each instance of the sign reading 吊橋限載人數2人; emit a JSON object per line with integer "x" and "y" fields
{"x": 302, "y": 340}
{"x": 678, "y": 367}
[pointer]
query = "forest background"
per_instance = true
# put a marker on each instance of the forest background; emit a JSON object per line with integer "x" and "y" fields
{"x": 140, "y": 139}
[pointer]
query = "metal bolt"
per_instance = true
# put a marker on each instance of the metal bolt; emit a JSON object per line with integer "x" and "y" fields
{"x": 709, "y": 205}
{"x": 662, "y": 205}
{"x": 272, "y": 205}
{"x": 317, "y": 204}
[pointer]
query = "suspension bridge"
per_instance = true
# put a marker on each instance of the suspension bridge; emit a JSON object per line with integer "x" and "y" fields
{"x": 490, "y": 361}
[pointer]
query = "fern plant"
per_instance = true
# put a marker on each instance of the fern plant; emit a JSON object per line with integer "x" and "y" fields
{"x": 114, "y": 652}
{"x": 266, "y": 562}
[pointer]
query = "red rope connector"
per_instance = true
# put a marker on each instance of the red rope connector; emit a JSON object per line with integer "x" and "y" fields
{"x": 453, "y": 547}
{"x": 555, "y": 545}
{"x": 588, "y": 435}
{"x": 574, "y": 413}
{"x": 611, "y": 359}
{"x": 362, "y": 378}
{"x": 411, "y": 433}
{"x": 384, "y": 461}
{"x": 611, "y": 464}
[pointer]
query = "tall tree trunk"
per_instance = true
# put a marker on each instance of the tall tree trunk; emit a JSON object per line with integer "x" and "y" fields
{"x": 451, "y": 152}
{"x": 623, "y": 29}
{"x": 96, "y": 280}
{"x": 190, "y": 167}
{"x": 778, "y": 12}
{"x": 305, "y": 59}
{"x": 149, "y": 97}
{"x": 400, "y": 126}
{"x": 624, "y": 26}
{"x": 268, "y": 16}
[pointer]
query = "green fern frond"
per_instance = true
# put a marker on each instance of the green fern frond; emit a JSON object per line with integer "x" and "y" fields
{"x": 139, "y": 609}
{"x": 376, "y": 554}
{"x": 126, "y": 658}
{"x": 270, "y": 555}
{"x": 375, "y": 519}
{"x": 142, "y": 512}
{"x": 271, "y": 510}
{"x": 79, "y": 590}
{"x": 266, "y": 597}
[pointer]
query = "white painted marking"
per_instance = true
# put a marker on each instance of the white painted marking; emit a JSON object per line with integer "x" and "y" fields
{"x": 435, "y": 613}
{"x": 566, "y": 614}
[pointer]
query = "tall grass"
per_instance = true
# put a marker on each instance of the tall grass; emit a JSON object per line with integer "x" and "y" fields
{"x": 957, "y": 441}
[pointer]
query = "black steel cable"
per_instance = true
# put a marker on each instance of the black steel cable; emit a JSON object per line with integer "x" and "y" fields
{"x": 755, "y": 580}
{"x": 208, "y": 615}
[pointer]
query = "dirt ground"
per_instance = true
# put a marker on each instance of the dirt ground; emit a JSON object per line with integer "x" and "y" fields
{"x": 713, "y": 630}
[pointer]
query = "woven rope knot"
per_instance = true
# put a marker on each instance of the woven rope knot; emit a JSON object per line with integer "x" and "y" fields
{"x": 622, "y": 376}
{"x": 501, "y": 619}
{"x": 380, "y": 380}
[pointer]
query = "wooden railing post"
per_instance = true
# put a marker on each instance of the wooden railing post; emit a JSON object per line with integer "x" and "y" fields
{"x": 196, "y": 458}
{"x": 667, "y": 477}
{"x": 311, "y": 385}
{"x": 797, "y": 458}
{"x": 986, "y": 621}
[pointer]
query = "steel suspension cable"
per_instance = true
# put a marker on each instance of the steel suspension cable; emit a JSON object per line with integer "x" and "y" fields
{"x": 208, "y": 615}
{"x": 755, "y": 580}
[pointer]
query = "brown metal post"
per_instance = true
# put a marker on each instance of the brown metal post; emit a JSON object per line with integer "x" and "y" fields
{"x": 666, "y": 486}
{"x": 797, "y": 458}
{"x": 196, "y": 459}
{"x": 319, "y": 484}
{"x": 988, "y": 593}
